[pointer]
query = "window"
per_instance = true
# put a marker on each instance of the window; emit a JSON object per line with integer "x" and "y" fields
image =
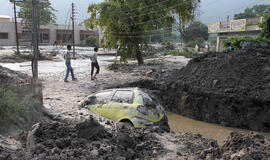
{"x": 148, "y": 101}
{"x": 3, "y": 35}
{"x": 124, "y": 96}
{"x": 45, "y": 36}
{"x": 103, "y": 97}
{"x": 59, "y": 37}
{"x": 82, "y": 37}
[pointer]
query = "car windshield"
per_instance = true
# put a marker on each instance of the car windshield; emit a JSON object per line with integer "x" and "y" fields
{"x": 123, "y": 96}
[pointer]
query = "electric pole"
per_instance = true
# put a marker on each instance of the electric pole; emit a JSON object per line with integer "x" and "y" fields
{"x": 35, "y": 40}
{"x": 73, "y": 27}
{"x": 16, "y": 28}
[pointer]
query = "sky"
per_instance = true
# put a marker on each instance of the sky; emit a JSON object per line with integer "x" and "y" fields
{"x": 210, "y": 10}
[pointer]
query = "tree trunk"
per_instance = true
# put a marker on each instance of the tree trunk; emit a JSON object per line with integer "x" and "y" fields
{"x": 139, "y": 57}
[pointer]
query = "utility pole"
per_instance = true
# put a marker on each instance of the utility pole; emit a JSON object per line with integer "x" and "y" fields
{"x": 35, "y": 40}
{"x": 16, "y": 28}
{"x": 73, "y": 27}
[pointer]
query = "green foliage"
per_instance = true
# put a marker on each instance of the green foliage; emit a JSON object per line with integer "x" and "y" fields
{"x": 148, "y": 51}
{"x": 91, "y": 41}
{"x": 195, "y": 30}
{"x": 253, "y": 12}
{"x": 212, "y": 38}
{"x": 184, "y": 52}
{"x": 9, "y": 103}
{"x": 265, "y": 25}
{"x": 168, "y": 45}
{"x": 237, "y": 42}
{"x": 199, "y": 41}
{"x": 129, "y": 23}
{"x": 45, "y": 13}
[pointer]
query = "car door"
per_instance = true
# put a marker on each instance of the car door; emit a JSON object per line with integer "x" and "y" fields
{"x": 102, "y": 99}
{"x": 120, "y": 104}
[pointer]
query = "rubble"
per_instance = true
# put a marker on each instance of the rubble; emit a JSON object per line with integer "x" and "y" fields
{"x": 10, "y": 76}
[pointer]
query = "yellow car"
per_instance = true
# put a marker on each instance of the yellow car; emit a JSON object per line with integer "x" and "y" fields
{"x": 126, "y": 105}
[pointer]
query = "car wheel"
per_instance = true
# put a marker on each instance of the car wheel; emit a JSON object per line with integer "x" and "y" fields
{"x": 127, "y": 124}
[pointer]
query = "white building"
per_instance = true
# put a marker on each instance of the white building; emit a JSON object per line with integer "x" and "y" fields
{"x": 48, "y": 34}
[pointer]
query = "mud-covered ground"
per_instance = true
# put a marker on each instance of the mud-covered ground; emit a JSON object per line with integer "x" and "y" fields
{"x": 231, "y": 89}
{"x": 90, "y": 140}
{"x": 65, "y": 138}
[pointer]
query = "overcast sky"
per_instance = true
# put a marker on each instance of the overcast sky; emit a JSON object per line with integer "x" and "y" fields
{"x": 210, "y": 10}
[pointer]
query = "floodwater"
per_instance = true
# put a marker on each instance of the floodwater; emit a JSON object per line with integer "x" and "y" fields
{"x": 183, "y": 124}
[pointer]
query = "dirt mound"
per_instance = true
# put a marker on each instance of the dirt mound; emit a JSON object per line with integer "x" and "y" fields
{"x": 241, "y": 146}
{"x": 231, "y": 89}
{"x": 243, "y": 74}
{"x": 8, "y": 76}
{"x": 55, "y": 140}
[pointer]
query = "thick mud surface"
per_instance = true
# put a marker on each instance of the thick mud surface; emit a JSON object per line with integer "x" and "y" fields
{"x": 91, "y": 140}
{"x": 232, "y": 89}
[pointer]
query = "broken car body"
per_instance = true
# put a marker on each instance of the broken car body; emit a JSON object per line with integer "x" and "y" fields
{"x": 126, "y": 105}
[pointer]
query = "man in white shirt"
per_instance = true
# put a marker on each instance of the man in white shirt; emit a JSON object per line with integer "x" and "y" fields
{"x": 68, "y": 58}
{"x": 94, "y": 64}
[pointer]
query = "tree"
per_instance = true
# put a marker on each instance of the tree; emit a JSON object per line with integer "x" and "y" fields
{"x": 91, "y": 41}
{"x": 265, "y": 25}
{"x": 45, "y": 13}
{"x": 186, "y": 17}
{"x": 253, "y": 12}
{"x": 196, "y": 30}
{"x": 129, "y": 23}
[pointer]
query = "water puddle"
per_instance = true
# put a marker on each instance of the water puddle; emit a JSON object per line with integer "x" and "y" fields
{"x": 207, "y": 130}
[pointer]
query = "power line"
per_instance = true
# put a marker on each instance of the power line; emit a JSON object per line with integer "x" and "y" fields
{"x": 147, "y": 6}
{"x": 171, "y": 7}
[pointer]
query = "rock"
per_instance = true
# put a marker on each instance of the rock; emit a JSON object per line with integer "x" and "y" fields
{"x": 94, "y": 152}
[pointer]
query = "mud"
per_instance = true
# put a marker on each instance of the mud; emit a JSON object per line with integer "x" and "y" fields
{"x": 56, "y": 140}
{"x": 8, "y": 76}
{"x": 91, "y": 140}
{"x": 231, "y": 89}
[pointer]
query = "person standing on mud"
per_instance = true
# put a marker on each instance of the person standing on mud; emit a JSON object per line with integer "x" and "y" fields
{"x": 68, "y": 58}
{"x": 94, "y": 64}
{"x": 230, "y": 48}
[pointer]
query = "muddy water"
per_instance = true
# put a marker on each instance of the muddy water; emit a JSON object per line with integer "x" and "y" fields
{"x": 183, "y": 124}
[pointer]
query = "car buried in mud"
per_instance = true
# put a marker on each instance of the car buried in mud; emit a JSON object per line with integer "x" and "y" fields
{"x": 126, "y": 105}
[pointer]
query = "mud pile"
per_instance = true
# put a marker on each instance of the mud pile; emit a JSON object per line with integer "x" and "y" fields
{"x": 87, "y": 140}
{"x": 9, "y": 76}
{"x": 231, "y": 89}
{"x": 90, "y": 140}
{"x": 241, "y": 146}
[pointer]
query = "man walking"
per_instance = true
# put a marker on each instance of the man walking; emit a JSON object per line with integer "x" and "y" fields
{"x": 94, "y": 64}
{"x": 67, "y": 57}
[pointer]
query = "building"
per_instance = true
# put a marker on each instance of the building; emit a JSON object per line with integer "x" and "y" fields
{"x": 230, "y": 28}
{"x": 48, "y": 35}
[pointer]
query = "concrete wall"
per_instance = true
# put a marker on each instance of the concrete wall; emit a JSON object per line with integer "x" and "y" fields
{"x": 9, "y": 27}
{"x": 223, "y": 36}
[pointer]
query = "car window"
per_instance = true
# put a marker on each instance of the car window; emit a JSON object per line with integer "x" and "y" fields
{"x": 123, "y": 96}
{"x": 148, "y": 101}
{"x": 103, "y": 97}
